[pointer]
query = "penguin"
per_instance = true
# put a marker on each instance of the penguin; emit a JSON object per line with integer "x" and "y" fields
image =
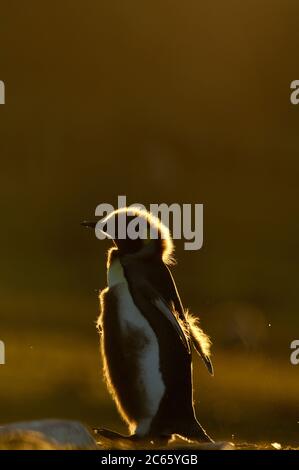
{"x": 146, "y": 335}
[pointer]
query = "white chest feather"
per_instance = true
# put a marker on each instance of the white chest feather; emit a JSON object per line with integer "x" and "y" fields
{"x": 149, "y": 376}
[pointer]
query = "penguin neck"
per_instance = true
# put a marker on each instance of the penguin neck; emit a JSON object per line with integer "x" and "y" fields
{"x": 115, "y": 273}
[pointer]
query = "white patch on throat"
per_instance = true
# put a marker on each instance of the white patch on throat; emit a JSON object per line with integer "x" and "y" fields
{"x": 115, "y": 274}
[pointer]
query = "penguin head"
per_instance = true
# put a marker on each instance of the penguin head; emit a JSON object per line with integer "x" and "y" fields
{"x": 135, "y": 231}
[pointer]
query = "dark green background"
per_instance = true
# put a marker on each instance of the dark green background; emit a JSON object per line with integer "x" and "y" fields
{"x": 164, "y": 101}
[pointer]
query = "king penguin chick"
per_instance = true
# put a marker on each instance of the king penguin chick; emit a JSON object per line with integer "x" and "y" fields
{"x": 146, "y": 337}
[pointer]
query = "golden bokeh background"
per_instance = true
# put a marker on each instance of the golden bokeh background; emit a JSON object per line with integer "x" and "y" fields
{"x": 163, "y": 101}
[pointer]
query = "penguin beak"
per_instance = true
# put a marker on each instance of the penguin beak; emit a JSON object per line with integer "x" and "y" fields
{"x": 93, "y": 224}
{"x": 89, "y": 223}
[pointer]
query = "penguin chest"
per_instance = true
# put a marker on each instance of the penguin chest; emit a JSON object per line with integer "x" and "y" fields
{"x": 140, "y": 352}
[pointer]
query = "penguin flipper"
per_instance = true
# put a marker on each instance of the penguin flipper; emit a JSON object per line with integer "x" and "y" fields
{"x": 201, "y": 342}
{"x": 199, "y": 339}
{"x": 160, "y": 304}
{"x": 165, "y": 310}
{"x": 207, "y": 361}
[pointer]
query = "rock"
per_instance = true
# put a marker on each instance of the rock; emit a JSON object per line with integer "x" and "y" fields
{"x": 46, "y": 434}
